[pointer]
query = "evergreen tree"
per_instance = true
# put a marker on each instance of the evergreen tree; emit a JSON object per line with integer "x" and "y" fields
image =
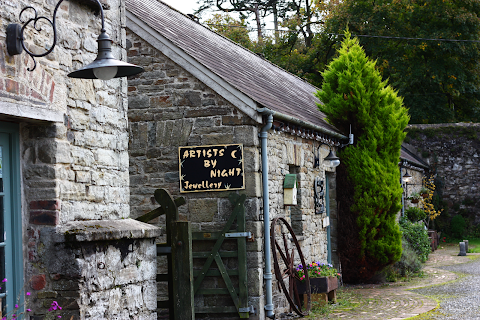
{"x": 368, "y": 187}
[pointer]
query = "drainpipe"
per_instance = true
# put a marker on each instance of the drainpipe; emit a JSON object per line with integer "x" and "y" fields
{"x": 267, "y": 275}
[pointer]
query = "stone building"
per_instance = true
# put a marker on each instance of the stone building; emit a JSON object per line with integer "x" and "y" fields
{"x": 413, "y": 165}
{"x": 199, "y": 89}
{"x": 64, "y": 195}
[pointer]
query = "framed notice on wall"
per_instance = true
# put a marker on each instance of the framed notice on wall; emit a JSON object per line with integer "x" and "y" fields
{"x": 211, "y": 168}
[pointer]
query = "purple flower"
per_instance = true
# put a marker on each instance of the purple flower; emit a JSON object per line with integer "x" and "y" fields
{"x": 28, "y": 310}
{"x": 28, "y": 293}
{"x": 4, "y": 280}
{"x": 16, "y": 306}
{"x": 55, "y": 306}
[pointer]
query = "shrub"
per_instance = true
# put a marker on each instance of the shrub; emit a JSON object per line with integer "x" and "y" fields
{"x": 354, "y": 96}
{"x": 417, "y": 237}
{"x": 415, "y": 214}
{"x": 457, "y": 226}
{"x": 409, "y": 262}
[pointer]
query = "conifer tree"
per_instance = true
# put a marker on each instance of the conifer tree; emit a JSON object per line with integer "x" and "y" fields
{"x": 368, "y": 181}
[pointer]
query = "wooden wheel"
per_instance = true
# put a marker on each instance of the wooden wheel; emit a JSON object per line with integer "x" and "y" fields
{"x": 284, "y": 256}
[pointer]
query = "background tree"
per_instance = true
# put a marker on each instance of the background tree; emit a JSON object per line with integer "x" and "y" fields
{"x": 353, "y": 93}
{"x": 235, "y": 30}
{"x": 439, "y": 80}
{"x": 258, "y": 8}
{"x": 298, "y": 47}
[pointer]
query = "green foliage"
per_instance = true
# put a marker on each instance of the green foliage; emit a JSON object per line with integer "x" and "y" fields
{"x": 408, "y": 264}
{"x": 235, "y": 30}
{"x": 417, "y": 237}
{"x": 457, "y": 226}
{"x": 439, "y": 80}
{"x": 415, "y": 214}
{"x": 353, "y": 93}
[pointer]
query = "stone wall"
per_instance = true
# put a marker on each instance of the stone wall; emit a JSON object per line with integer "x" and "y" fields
{"x": 168, "y": 108}
{"x": 73, "y": 134}
{"x": 291, "y": 154}
{"x": 453, "y": 152}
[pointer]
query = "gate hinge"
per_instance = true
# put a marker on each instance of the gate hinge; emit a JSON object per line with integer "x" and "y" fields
{"x": 250, "y": 309}
{"x": 247, "y": 235}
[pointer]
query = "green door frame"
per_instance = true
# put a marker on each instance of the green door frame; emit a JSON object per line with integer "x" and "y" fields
{"x": 12, "y": 221}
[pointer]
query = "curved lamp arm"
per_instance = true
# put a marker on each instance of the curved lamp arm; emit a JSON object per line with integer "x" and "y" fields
{"x": 105, "y": 65}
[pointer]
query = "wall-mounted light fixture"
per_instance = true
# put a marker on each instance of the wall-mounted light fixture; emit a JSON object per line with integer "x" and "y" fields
{"x": 330, "y": 160}
{"x": 104, "y": 67}
{"x": 406, "y": 177}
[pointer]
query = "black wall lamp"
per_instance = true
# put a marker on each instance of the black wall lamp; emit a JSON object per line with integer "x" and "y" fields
{"x": 104, "y": 67}
{"x": 406, "y": 177}
{"x": 331, "y": 158}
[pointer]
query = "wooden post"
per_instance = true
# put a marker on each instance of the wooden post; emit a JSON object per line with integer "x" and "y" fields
{"x": 182, "y": 261}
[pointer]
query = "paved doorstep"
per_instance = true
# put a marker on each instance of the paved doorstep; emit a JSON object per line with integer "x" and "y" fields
{"x": 396, "y": 301}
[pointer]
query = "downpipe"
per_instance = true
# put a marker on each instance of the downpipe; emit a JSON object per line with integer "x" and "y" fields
{"x": 267, "y": 275}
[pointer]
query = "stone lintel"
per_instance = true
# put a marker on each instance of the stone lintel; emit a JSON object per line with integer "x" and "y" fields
{"x": 101, "y": 230}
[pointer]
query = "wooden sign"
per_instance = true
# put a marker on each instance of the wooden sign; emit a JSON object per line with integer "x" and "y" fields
{"x": 211, "y": 168}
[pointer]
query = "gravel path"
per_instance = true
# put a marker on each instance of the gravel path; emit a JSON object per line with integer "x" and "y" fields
{"x": 459, "y": 299}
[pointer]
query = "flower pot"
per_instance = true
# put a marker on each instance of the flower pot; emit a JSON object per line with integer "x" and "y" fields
{"x": 424, "y": 195}
{"x": 415, "y": 200}
{"x": 318, "y": 285}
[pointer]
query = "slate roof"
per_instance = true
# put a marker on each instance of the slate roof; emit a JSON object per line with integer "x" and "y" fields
{"x": 412, "y": 158}
{"x": 264, "y": 82}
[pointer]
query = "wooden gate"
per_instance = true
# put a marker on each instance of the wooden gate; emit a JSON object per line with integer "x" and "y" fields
{"x": 184, "y": 280}
{"x": 234, "y": 279}
{"x": 179, "y": 257}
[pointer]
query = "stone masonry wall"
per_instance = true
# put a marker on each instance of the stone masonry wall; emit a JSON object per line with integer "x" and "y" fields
{"x": 453, "y": 152}
{"x": 169, "y": 108}
{"x": 292, "y": 154}
{"x": 73, "y": 134}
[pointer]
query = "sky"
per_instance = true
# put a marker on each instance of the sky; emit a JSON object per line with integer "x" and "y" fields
{"x": 184, "y": 6}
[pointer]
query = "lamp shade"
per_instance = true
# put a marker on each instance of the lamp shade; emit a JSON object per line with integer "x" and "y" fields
{"x": 333, "y": 159}
{"x": 105, "y": 66}
{"x": 407, "y": 177}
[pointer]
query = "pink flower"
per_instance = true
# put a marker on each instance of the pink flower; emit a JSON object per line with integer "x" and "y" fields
{"x": 28, "y": 310}
{"x": 28, "y": 293}
{"x": 16, "y": 306}
{"x": 4, "y": 280}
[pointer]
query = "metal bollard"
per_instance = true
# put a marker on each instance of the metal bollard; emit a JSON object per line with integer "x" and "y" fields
{"x": 462, "y": 249}
{"x": 466, "y": 245}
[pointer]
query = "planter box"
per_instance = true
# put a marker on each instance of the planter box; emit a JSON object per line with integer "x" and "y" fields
{"x": 318, "y": 285}
{"x": 322, "y": 290}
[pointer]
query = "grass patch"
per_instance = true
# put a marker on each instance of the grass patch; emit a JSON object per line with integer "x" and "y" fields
{"x": 473, "y": 243}
{"x": 346, "y": 300}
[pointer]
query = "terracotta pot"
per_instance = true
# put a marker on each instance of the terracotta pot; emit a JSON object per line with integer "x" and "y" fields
{"x": 318, "y": 285}
{"x": 424, "y": 195}
{"x": 415, "y": 200}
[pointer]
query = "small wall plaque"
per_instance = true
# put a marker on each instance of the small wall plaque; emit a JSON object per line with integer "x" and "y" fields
{"x": 211, "y": 168}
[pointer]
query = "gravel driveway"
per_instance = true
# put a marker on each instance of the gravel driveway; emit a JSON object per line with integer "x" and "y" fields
{"x": 458, "y": 299}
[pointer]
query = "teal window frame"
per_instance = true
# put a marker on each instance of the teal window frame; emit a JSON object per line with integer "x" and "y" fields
{"x": 14, "y": 273}
{"x": 327, "y": 209}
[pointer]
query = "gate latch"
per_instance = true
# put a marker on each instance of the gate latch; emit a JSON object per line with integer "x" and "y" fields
{"x": 250, "y": 309}
{"x": 247, "y": 235}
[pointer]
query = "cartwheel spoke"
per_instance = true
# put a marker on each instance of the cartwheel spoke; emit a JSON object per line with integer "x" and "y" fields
{"x": 289, "y": 272}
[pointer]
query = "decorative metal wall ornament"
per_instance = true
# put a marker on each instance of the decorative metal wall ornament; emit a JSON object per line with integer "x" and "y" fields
{"x": 104, "y": 67}
{"x": 319, "y": 195}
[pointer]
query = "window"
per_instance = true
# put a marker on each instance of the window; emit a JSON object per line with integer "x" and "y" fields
{"x": 10, "y": 220}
